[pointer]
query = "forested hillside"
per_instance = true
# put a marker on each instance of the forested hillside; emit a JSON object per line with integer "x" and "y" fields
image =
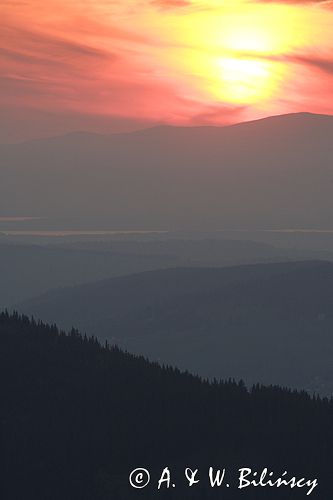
{"x": 76, "y": 417}
{"x": 270, "y": 323}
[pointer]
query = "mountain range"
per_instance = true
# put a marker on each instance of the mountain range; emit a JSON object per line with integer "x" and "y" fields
{"x": 28, "y": 270}
{"x": 271, "y": 173}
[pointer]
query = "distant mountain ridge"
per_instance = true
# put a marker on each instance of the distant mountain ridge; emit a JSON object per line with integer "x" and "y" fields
{"x": 267, "y": 322}
{"x": 29, "y": 270}
{"x": 274, "y": 172}
{"x": 85, "y": 134}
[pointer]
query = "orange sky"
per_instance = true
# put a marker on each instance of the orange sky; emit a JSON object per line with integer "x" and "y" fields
{"x": 108, "y": 65}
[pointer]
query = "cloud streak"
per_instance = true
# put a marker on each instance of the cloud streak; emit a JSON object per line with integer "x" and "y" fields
{"x": 326, "y": 4}
{"x": 170, "y": 4}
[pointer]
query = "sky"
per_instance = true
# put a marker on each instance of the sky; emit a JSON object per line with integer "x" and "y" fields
{"x": 118, "y": 65}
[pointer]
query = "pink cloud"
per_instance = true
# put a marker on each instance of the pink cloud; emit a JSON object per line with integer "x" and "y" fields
{"x": 170, "y": 4}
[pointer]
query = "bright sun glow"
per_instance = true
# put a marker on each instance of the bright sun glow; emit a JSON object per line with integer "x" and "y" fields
{"x": 242, "y": 80}
{"x": 236, "y": 57}
{"x": 248, "y": 70}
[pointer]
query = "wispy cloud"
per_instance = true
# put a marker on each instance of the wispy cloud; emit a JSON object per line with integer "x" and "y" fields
{"x": 318, "y": 62}
{"x": 34, "y": 44}
{"x": 215, "y": 115}
{"x": 322, "y": 3}
{"x": 323, "y": 64}
{"x": 170, "y": 4}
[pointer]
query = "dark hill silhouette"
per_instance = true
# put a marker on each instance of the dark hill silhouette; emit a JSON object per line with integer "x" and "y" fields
{"x": 29, "y": 270}
{"x": 76, "y": 418}
{"x": 275, "y": 172}
{"x": 271, "y": 323}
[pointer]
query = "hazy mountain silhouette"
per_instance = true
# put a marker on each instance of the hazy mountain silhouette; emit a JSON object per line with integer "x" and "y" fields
{"x": 206, "y": 249}
{"x": 271, "y": 323}
{"x": 275, "y": 172}
{"x": 29, "y": 270}
{"x": 76, "y": 418}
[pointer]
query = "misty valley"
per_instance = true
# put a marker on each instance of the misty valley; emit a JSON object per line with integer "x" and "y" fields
{"x": 155, "y": 313}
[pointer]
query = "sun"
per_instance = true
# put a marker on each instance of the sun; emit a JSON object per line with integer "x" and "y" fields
{"x": 235, "y": 57}
{"x": 240, "y": 80}
{"x": 237, "y": 53}
{"x": 248, "y": 72}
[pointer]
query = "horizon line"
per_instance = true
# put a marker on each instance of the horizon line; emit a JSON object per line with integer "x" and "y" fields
{"x": 160, "y": 126}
